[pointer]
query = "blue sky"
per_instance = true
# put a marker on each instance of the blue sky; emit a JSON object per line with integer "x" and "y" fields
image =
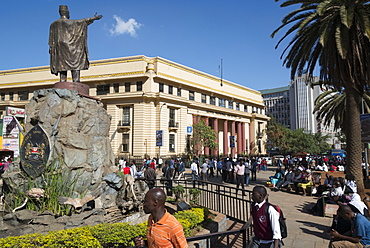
{"x": 195, "y": 33}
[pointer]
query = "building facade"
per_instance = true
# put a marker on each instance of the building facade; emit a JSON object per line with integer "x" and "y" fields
{"x": 277, "y": 102}
{"x": 154, "y": 102}
{"x": 293, "y": 106}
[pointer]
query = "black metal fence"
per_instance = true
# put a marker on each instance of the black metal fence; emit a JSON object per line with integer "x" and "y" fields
{"x": 234, "y": 203}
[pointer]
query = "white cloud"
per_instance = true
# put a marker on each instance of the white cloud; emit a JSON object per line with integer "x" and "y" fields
{"x": 122, "y": 27}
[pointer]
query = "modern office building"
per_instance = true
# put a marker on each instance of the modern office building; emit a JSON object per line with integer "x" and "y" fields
{"x": 154, "y": 102}
{"x": 277, "y": 103}
{"x": 293, "y": 105}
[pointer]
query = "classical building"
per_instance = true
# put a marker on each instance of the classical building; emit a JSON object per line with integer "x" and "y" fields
{"x": 154, "y": 102}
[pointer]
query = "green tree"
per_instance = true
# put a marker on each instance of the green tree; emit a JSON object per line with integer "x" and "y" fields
{"x": 277, "y": 136}
{"x": 203, "y": 136}
{"x": 334, "y": 35}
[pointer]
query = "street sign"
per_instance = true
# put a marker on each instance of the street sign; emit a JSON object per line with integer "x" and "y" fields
{"x": 189, "y": 130}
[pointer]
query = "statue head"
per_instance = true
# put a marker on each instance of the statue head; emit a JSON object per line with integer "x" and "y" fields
{"x": 63, "y": 11}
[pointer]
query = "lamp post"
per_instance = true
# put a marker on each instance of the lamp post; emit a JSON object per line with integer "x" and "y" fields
{"x": 159, "y": 148}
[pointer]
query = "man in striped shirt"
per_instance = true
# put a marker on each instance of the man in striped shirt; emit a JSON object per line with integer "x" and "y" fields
{"x": 163, "y": 229}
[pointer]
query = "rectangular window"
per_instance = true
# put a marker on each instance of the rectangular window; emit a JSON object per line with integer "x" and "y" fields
{"x": 102, "y": 89}
{"x": 212, "y": 100}
{"x": 127, "y": 87}
{"x": 116, "y": 88}
{"x": 172, "y": 142}
{"x": 245, "y": 108}
{"x": 178, "y": 91}
{"x": 230, "y": 104}
{"x": 161, "y": 87}
{"x": 170, "y": 89}
{"x": 125, "y": 142}
{"x": 172, "y": 117}
{"x": 139, "y": 86}
{"x": 126, "y": 116}
{"x": 191, "y": 95}
{"x": 221, "y": 102}
{"x": 204, "y": 98}
{"x": 2, "y": 96}
{"x": 237, "y": 107}
{"x": 11, "y": 96}
{"x": 23, "y": 95}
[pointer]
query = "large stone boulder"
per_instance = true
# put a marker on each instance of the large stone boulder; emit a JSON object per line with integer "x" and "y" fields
{"x": 80, "y": 138}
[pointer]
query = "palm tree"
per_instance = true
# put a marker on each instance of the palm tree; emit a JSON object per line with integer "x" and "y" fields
{"x": 333, "y": 35}
{"x": 331, "y": 105}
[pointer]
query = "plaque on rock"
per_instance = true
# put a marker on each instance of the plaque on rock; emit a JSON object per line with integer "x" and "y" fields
{"x": 35, "y": 151}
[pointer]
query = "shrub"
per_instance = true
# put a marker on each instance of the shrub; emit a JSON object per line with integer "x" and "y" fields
{"x": 189, "y": 219}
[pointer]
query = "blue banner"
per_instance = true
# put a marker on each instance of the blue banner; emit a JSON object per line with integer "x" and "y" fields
{"x": 159, "y": 138}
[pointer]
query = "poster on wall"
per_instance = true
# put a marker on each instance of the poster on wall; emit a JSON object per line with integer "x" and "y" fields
{"x": 10, "y": 128}
{"x": 232, "y": 141}
{"x": 11, "y": 144}
{"x": 159, "y": 138}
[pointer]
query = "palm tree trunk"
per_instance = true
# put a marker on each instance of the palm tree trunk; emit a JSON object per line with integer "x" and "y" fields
{"x": 353, "y": 135}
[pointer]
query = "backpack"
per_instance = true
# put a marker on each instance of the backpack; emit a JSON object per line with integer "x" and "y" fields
{"x": 282, "y": 223}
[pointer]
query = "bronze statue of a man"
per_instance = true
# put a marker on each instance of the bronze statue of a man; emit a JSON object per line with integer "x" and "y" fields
{"x": 68, "y": 45}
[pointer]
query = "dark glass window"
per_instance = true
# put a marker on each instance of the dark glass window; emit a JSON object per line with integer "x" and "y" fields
{"x": 178, "y": 91}
{"x": 204, "y": 98}
{"x": 23, "y": 95}
{"x": 172, "y": 142}
{"x": 139, "y": 86}
{"x": 161, "y": 87}
{"x": 170, "y": 89}
{"x": 102, "y": 89}
{"x": 191, "y": 95}
{"x": 116, "y": 88}
{"x": 221, "y": 102}
{"x": 126, "y": 116}
{"x": 2, "y": 96}
{"x": 127, "y": 87}
{"x": 11, "y": 96}
{"x": 125, "y": 142}
{"x": 212, "y": 100}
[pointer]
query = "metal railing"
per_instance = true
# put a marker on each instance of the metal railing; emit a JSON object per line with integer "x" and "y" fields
{"x": 234, "y": 203}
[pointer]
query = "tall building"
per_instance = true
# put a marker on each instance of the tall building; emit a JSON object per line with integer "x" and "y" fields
{"x": 154, "y": 103}
{"x": 277, "y": 103}
{"x": 293, "y": 105}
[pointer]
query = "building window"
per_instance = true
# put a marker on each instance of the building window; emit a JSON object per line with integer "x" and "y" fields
{"x": 127, "y": 87}
{"x": 172, "y": 117}
{"x": 116, "y": 88}
{"x": 204, "y": 98}
{"x": 191, "y": 95}
{"x": 178, "y": 91}
{"x": 170, "y": 89}
{"x": 237, "y": 107}
{"x": 172, "y": 142}
{"x": 221, "y": 102}
{"x": 2, "y": 96}
{"x": 11, "y": 96}
{"x": 212, "y": 100}
{"x": 230, "y": 104}
{"x": 139, "y": 86}
{"x": 23, "y": 95}
{"x": 161, "y": 87}
{"x": 125, "y": 142}
{"x": 126, "y": 116}
{"x": 245, "y": 108}
{"x": 102, "y": 89}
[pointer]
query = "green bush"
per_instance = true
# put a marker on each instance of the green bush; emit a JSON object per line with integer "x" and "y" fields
{"x": 76, "y": 238}
{"x": 190, "y": 219}
{"x": 118, "y": 234}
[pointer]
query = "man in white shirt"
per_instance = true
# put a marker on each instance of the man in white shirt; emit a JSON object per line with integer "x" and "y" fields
{"x": 194, "y": 170}
{"x": 267, "y": 233}
{"x": 239, "y": 171}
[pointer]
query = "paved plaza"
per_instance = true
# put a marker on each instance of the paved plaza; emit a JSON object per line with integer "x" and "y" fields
{"x": 304, "y": 230}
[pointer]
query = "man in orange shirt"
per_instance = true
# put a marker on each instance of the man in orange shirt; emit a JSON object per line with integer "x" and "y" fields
{"x": 163, "y": 229}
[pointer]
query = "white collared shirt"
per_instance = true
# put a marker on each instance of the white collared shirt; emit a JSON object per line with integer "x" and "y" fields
{"x": 274, "y": 220}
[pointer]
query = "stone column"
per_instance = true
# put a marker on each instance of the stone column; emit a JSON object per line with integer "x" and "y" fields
{"x": 239, "y": 139}
{"x": 233, "y": 134}
{"x": 215, "y": 128}
{"x": 206, "y": 149}
{"x": 243, "y": 137}
{"x": 226, "y": 140}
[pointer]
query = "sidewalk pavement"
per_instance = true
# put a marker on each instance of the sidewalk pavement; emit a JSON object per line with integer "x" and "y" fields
{"x": 304, "y": 229}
